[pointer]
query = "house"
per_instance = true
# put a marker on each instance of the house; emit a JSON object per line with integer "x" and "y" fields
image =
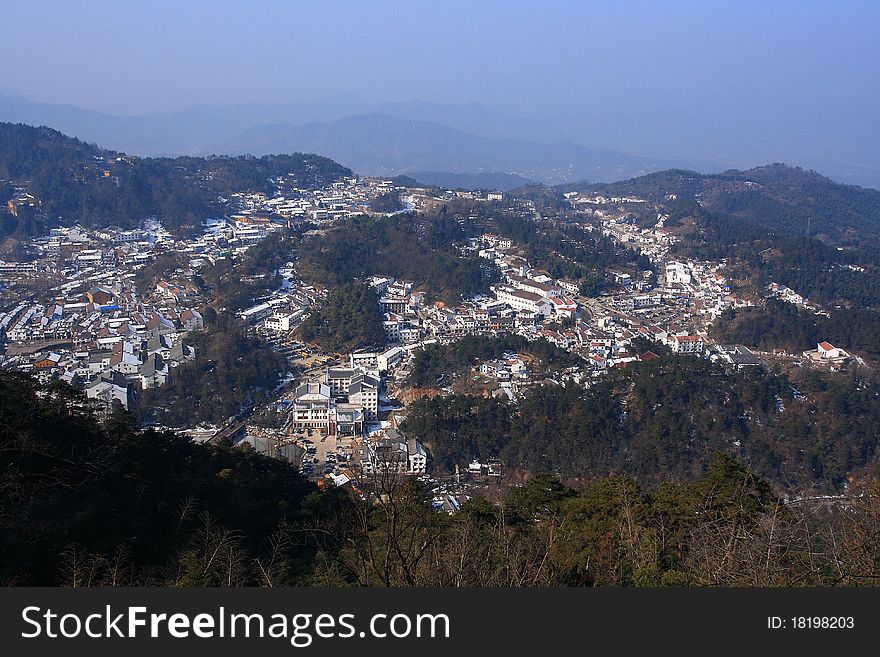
{"x": 393, "y": 304}
{"x": 153, "y": 372}
{"x": 392, "y": 328}
{"x": 99, "y": 360}
{"x": 111, "y": 389}
{"x": 191, "y": 320}
{"x": 385, "y": 453}
{"x": 368, "y": 360}
{"x": 562, "y": 307}
{"x": 390, "y": 452}
{"x": 517, "y": 368}
{"x": 738, "y": 356}
{"x": 686, "y": 344}
{"x": 355, "y": 386}
{"x": 534, "y": 286}
{"x": 417, "y": 457}
{"x": 340, "y": 378}
{"x": 364, "y": 391}
{"x": 390, "y": 359}
{"x": 349, "y": 420}
{"x": 48, "y": 362}
{"x": 125, "y": 362}
{"x": 825, "y": 352}
{"x": 678, "y": 273}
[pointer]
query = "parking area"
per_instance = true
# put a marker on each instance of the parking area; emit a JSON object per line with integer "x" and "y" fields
{"x": 324, "y": 454}
{"x": 284, "y": 343}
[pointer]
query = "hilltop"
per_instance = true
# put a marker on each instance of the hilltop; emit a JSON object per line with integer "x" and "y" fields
{"x": 782, "y": 198}
{"x": 72, "y": 181}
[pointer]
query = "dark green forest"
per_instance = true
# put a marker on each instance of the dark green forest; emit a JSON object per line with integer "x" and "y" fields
{"x": 565, "y": 249}
{"x": 418, "y": 248}
{"x": 784, "y": 325}
{"x": 235, "y": 284}
{"x": 569, "y": 251}
{"x": 349, "y": 319}
{"x": 387, "y": 202}
{"x": 85, "y": 504}
{"x": 89, "y": 504}
{"x": 447, "y": 360}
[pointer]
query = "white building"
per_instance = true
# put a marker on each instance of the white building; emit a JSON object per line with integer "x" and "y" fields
{"x": 521, "y": 300}
{"x": 418, "y": 458}
{"x": 283, "y": 320}
{"x": 678, "y": 273}
{"x": 367, "y": 360}
{"x": 390, "y": 359}
{"x": 686, "y": 344}
{"x": 312, "y": 407}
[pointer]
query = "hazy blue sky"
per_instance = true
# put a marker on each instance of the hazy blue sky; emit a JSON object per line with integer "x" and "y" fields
{"x": 126, "y": 57}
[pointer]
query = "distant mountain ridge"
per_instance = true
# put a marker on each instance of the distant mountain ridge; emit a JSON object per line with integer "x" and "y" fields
{"x": 490, "y": 180}
{"x": 685, "y": 138}
{"x": 77, "y": 181}
{"x": 382, "y": 139}
{"x": 383, "y": 145}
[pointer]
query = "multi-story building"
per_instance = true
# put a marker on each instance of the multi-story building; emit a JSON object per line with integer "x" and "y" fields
{"x": 367, "y": 360}
{"x": 312, "y": 408}
{"x": 364, "y": 392}
{"x": 283, "y": 320}
{"x": 686, "y": 344}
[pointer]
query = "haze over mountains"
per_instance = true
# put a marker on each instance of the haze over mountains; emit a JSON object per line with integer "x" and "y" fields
{"x": 468, "y": 140}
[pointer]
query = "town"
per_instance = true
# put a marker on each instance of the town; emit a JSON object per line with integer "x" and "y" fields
{"x": 90, "y": 320}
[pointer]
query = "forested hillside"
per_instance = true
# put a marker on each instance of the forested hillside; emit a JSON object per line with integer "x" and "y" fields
{"x": 664, "y": 420}
{"x": 571, "y": 252}
{"x": 348, "y": 320}
{"x": 231, "y": 371}
{"x": 84, "y": 504}
{"x": 778, "y": 324}
{"x": 78, "y": 182}
{"x": 448, "y": 360}
{"x": 417, "y": 248}
{"x": 784, "y": 199}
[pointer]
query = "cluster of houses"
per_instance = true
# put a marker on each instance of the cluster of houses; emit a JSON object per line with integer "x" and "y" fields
{"x": 387, "y": 451}
{"x": 343, "y": 402}
{"x": 95, "y": 329}
{"x": 104, "y": 341}
{"x": 344, "y": 198}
